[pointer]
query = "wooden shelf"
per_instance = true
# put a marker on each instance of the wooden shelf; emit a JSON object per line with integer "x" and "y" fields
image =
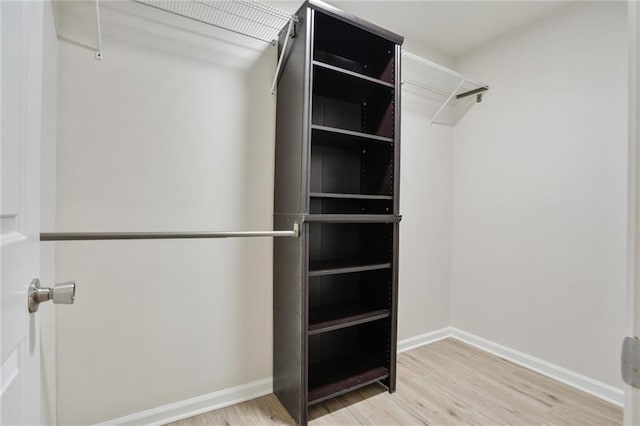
{"x": 353, "y": 218}
{"x": 317, "y": 269}
{"x": 358, "y": 135}
{"x": 347, "y": 200}
{"x": 333, "y": 317}
{"x": 350, "y": 196}
{"x": 336, "y": 377}
{"x": 353, "y": 74}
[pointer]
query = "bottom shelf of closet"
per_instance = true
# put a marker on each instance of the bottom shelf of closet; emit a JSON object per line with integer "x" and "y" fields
{"x": 335, "y": 377}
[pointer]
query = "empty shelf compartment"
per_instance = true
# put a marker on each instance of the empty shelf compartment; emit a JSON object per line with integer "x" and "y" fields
{"x": 355, "y": 243}
{"x": 337, "y": 377}
{"x": 346, "y": 46}
{"x": 358, "y": 168}
{"x": 346, "y": 359}
{"x": 344, "y": 300}
{"x": 350, "y": 103}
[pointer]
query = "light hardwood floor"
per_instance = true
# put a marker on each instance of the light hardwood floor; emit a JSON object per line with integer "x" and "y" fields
{"x": 444, "y": 383}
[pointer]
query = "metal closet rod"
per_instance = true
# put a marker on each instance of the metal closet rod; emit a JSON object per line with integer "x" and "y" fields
{"x": 90, "y": 236}
{"x": 472, "y": 92}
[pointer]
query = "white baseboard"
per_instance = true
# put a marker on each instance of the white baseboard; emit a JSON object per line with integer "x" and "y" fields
{"x": 423, "y": 339}
{"x": 586, "y": 384}
{"x": 198, "y": 405}
{"x": 223, "y": 398}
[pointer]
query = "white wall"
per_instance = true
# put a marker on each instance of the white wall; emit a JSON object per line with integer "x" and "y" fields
{"x": 425, "y": 230}
{"x": 426, "y": 208}
{"x": 172, "y": 131}
{"x": 540, "y": 184}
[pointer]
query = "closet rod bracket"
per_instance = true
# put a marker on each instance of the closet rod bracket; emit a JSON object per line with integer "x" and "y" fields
{"x": 477, "y": 91}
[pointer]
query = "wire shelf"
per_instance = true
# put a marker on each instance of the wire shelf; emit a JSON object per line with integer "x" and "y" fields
{"x": 447, "y": 93}
{"x": 247, "y": 17}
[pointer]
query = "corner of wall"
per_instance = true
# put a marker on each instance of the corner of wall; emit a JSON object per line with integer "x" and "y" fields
{"x": 428, "y": 52}
{"x": 538, "y": 202}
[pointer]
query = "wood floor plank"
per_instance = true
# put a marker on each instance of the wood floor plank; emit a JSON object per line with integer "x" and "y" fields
{"x": 445, "y": 383}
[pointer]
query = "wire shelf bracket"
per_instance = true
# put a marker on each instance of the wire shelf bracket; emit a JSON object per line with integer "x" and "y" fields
{"x": 449, "y": 89}
{"x": 98, "y": 32}
{"x": 290, "y": 34}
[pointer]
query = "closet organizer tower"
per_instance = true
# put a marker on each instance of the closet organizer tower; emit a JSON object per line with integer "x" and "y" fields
{"x": 337, "y": 174}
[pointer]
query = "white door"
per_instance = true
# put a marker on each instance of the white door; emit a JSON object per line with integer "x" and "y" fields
{"x": 20, "y": 124}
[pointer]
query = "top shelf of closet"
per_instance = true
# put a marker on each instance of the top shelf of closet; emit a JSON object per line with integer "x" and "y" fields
{"x": 353, "y": 50}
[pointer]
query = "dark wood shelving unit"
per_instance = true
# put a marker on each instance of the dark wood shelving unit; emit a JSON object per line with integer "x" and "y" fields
{"x": 337, "y": 174}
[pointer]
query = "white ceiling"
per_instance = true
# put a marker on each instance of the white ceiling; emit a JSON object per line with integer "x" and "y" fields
{"x": 452, "y": 27}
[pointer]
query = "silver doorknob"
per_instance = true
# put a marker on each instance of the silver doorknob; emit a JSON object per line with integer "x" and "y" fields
{"x": 63, "y": 293}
